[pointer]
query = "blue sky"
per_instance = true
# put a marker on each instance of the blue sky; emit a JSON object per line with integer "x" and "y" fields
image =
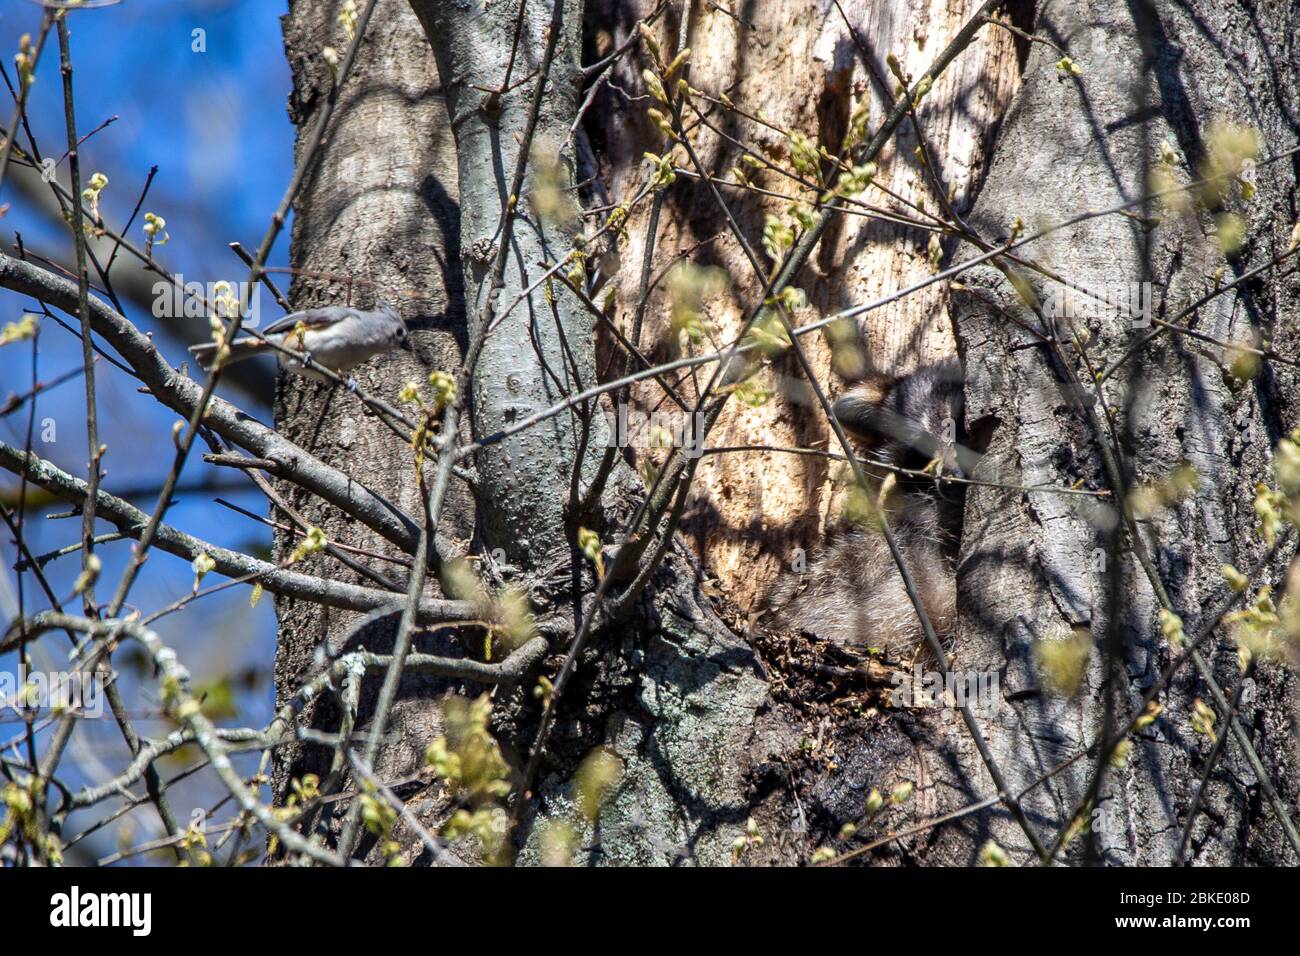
{"x": 215, "y": 124}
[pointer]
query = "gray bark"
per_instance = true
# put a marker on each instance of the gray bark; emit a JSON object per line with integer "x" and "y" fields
{"x": 674, "y": 692}
{"x": 409, "y": 193}
{"x": 1028, "y": 569}
{"x": 380, "y": 207}
{"x": 537, "y": 354}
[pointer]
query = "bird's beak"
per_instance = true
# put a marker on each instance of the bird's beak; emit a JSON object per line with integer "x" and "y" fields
{"x": 408, "y": 345}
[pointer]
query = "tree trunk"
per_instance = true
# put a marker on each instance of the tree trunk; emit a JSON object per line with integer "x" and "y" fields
{"x": 716, "y": 722}
{"x": 373, "y": 211}
{"x": 1151, "y": 72}
{"x": 381, "y": 208}
{"x": 797, "y": 65}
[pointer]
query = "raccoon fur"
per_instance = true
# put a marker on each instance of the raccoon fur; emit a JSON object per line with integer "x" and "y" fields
{"x": 853, "y": 593}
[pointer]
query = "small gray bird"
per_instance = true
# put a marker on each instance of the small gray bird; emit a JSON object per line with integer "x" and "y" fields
{"x": 336, "y": 337}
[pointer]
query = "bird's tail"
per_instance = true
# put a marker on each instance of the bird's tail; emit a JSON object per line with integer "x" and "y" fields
{"x": 240, "y": 349}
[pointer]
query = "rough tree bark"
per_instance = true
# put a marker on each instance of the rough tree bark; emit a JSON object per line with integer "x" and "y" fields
{"x": 386, "y": 210}
{"x": 1151, "y": 72}
{"x": 796, "y": 64}
{"x": 380, "y": 208}
{"x": 711, "y": 732}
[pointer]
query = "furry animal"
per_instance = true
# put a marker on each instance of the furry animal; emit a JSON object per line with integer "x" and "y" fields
{"x": 853, "y": 593}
